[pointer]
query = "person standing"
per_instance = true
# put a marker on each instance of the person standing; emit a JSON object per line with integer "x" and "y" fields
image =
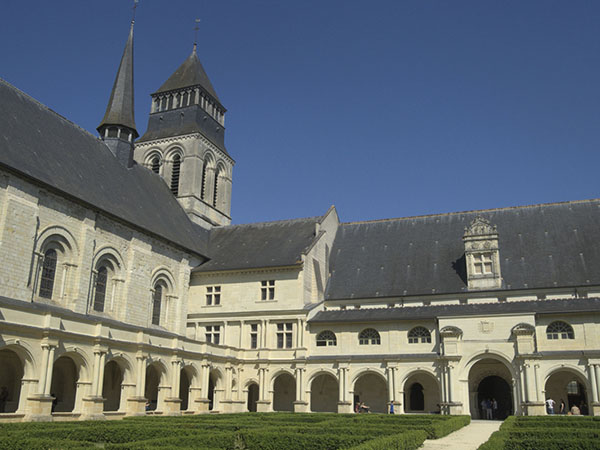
{"x": 488, "y": 409}
{"x": 550, "y": 406}
{"x": 563, "y": 407}
{"x": 494, "y": 408}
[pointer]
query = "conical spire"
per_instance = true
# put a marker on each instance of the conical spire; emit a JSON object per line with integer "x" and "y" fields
{"x": 190, "y": 73}
{"x": 120, "y": 106}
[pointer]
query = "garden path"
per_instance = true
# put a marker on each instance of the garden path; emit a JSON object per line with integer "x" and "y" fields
{"x": 467, "y": 438}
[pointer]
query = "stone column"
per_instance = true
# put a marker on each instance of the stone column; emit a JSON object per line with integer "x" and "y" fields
{"x": 595, "y": 375}
{"x": 263, "y": 404}
{"x": 592, "y": 376}
{"x": 39, "y": 406}
{"x": 93, "y": 403}
{"x": 300, "y": 405}
{"x": 173, "y": 403}
{"x": 136, "y": 405}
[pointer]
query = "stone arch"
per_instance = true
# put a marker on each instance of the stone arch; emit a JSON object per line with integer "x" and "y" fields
{"x": 284, "y": 391}
{"x": 491, "y": 376}
{"x": 70, "y": 369}
{"x": 162, "y": 288}
{"x": 422, "y": 392}
{"x": 556, "y": 387}
{"x": 252, "y": 392}
{"x": 188, "y": 378}
{"x": 112, "y": 385}
{"x": 370, "y": 388}
{"x": 221, "y": 176}
{"x": 208, "y": 176}
{"x": 149, "y": 159}
{"x": 25, "y": 353}
{"x": 174, "y": 149}
{"x": 215, "y": 378}
{"x": 324, "y": 392}
{"x": 57, "y": 252}
{"x": 156, "y": 371}
{"x": 12, "y": 371}
{"x": 107, "y": 267}
{"x": 321, "y": 371}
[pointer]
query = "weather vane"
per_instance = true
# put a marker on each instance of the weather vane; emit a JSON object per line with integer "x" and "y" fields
{"x": 135, "y": 3}
{"x": 196, "y": 28}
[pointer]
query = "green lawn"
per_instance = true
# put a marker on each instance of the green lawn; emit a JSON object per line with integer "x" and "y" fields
{"x": 546, "y": 433}
{"x": 269, "y": 431}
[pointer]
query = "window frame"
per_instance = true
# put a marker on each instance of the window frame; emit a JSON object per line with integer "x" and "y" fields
{"x": 100, "y": 285}
{"x": 562, "y": 330}
{"x": 285, "y": 335}
{"x": 326, "y": 338}
{"x": 254, "y": 336}
{"x": 212, "y": 334}
{"x": 369, "y": 336}
{"x": 267, "y": 290}
{"x": 419, "y": 335}
{"x": 213, "y": 295}
{"x": 48, "y": 275}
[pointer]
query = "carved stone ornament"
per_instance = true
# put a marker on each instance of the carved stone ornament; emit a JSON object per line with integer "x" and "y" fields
{"x": 480, "y": 227}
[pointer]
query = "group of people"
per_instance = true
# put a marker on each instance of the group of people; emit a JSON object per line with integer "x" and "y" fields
{"x": 489, "y": 408}
{"x": 574, "y": 411}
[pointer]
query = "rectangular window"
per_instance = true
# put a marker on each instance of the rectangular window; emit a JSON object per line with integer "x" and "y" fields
{"x": 267, "y": 290}
{"x": 213, "y": 334}
{"x": 213, "y": 295}
{"x": 482, "y": 263}
{"x": 284, "y": 335}
{"x": 254, "y": 335}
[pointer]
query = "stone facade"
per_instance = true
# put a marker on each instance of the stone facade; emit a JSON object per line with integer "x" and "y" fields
{"x": 103, "y": 318}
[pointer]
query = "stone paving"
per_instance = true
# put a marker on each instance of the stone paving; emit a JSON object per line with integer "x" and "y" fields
{"x": 467, "y": 438}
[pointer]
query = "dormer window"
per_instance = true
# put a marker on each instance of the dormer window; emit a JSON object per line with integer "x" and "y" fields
{"x": 482, "y": 255}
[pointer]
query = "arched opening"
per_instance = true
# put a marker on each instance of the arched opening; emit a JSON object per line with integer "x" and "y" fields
{"x": 153, "y": 375}
{"x": 111, "y": 387}
{"x": 100, "y": 289}
{"x": 155, "y": 164}
{"x": 184, "y": 389}
{"x": 175, "y": 171}
{"x": 568, "y": 387}
{"x": 48, "y": 273}
{"x": 324, "y": 393}
{"x": 212, "y": 382}
{"x": 417, "y": 398}
{"x": 64, "y": 384}
{"x": 490, "y": 389}
{"x": 203, "y": 189}
{"x": 11, "y": 374}
{"x": 157, "y": 296}
{"x": 252, "y": 397}
{"x": 216, "y": 187}
{"x": 422, "y": 393}
{"x": 371, "y": 389}
{"x": 284, "y": 392}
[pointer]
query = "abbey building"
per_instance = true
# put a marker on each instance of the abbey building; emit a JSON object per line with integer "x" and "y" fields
{"x": 125, "y": 290}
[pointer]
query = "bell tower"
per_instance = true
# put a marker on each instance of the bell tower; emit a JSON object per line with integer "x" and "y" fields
{"x": 185, "y": 144}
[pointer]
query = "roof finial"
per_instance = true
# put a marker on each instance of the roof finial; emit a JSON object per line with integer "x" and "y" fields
{"x": 196, "y": 28}
{"x": 135, "y": 3}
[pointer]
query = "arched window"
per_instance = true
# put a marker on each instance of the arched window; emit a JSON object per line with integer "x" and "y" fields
{"x": 560, "y": 330}
{"x": 203, "y": 191}
{"x": 100, "y": 291}
{"x": 326, "y": 338}
{"x": 155, "y": 164}
{"x": 48, "y": 273}
{"x": 156, "y": 304}
{"x": 175, "y": 174}
{"x": 419, "y": 335}
{"x": 216, "y": 190}
{"x": 369, "y": 337}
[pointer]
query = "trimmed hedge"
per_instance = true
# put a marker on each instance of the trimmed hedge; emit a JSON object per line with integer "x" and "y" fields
{"x": 409, "y": 440}
{"x": 546, "y": 433}
{"x": 264, "y": 431}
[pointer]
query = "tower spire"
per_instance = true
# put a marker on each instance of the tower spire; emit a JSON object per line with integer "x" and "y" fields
{"x": 117, "y": 128}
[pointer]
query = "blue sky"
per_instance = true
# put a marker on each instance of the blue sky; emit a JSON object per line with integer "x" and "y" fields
{"x": 383, "y": 108}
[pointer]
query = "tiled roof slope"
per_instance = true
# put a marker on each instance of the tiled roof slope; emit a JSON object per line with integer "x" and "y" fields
{"x": 433, "y": 311}
{"x": 42, "y": 145}
{"x": 251, "y": 246}
{"x": 540, "y": 246}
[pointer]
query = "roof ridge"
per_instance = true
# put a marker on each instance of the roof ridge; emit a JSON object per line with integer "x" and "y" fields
{"x": 47, "y": 108}
{"x": 505, "y": 208}
{"x": 272, "y": 222}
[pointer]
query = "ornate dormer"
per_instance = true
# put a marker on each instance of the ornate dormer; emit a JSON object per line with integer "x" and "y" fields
{"x": 117, "y": 128}
{"x": 482, "y": 255}
{"x": 185, "y": 144}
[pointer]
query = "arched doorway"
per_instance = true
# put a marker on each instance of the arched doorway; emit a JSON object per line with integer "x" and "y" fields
{"x": 570, "y": 387}
{"x": 324, "y": 393}
{"x": 64, "y": 384}
{"x": 490, "y": 379}
{"x": 11, "y": 374}
{"x": 153, "y": 375}
{"x": 111, "y": 388}
{"x": 284, "y": 392}
{"x": 371, "y": 389}
{"x": 185, "y": 382}
{"x": 422, "y": 393}
{"x": 252, "y": 397}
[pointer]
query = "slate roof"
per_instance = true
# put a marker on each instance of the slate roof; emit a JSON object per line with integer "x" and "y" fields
{"x": 256, "y": 245}
{"x": 39, "y": 144}
{"x": 434, "y": 311}
{"x": 190, "y": 73}
{"x": 119, "y": 110}
{"x": 546, "y": 245}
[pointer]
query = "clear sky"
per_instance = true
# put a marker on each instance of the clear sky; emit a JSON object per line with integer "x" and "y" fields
{"x": 383, "y": 108}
